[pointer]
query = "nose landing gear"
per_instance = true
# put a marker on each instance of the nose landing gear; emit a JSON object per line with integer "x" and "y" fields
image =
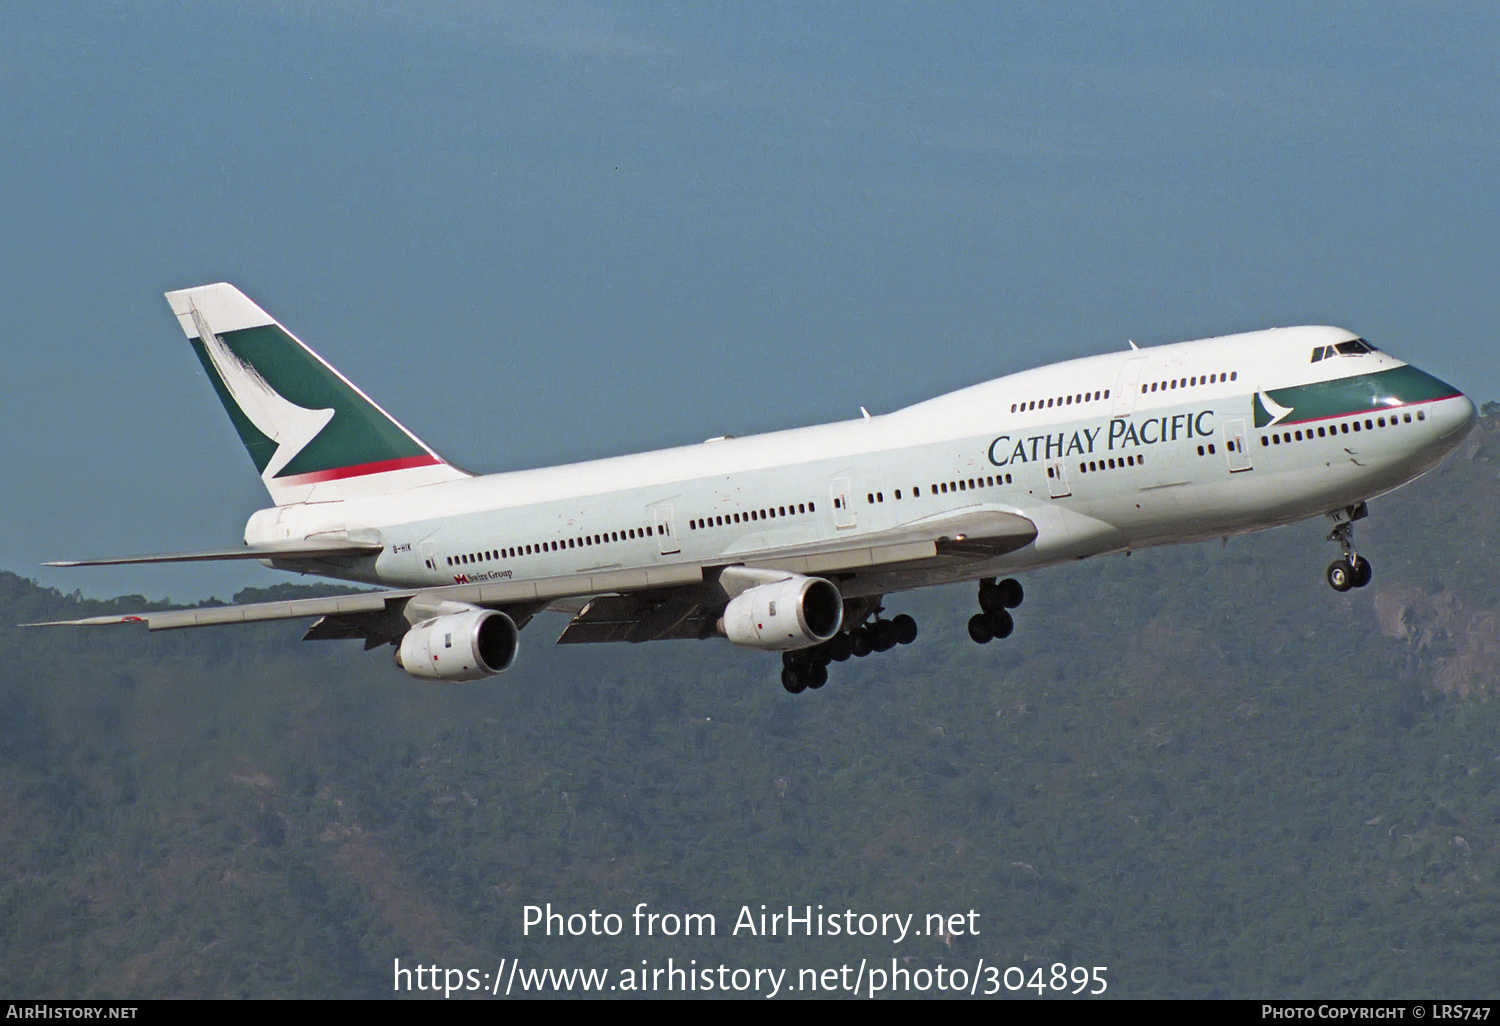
{"x": 996, "y": 599}
{"x": 1352, "y": 570}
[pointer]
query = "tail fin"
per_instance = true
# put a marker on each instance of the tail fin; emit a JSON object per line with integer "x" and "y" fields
{"x": 311, "y": 434}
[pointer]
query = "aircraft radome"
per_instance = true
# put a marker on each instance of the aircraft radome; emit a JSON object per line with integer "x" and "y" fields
{"x": 791, "y": 542}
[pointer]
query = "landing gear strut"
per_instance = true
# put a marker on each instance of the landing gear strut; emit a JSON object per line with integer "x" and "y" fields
{"x": 1352, "y": 570}
{"x": 807, "y": 669}
{"x": 996, "y": 599}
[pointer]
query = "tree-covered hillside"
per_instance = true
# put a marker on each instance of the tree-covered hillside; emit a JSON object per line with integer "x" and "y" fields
{"x": 1197, "y": 766}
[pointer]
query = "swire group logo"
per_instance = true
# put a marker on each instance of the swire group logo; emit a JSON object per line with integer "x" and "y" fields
{"x": 482, "y": 576}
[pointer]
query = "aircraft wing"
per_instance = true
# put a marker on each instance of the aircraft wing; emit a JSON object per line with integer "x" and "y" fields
{"x": 664, "y": 601}
{"x": 302, "y": 548}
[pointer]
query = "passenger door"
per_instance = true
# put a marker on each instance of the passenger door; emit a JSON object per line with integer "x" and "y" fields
{"x": 1235, "y": 450}
{"x": 1057, "y": 480}
{"x": 843, "y": 512}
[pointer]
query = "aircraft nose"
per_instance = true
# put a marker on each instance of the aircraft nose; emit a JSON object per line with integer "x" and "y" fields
{"x": 1456, "y": 417}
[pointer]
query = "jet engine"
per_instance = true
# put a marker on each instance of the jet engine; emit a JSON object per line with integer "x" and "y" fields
{"x": 460, "y": 646}
{"x": 796, "y": 612}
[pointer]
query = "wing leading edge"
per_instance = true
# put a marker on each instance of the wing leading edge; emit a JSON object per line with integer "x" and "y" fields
{"x": 305, "y": 548}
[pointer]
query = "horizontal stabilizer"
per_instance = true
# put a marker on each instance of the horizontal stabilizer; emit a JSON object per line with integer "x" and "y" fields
{"x": 302, "y": 548}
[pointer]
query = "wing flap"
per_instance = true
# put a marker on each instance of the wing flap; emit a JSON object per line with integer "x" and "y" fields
{"x": 637, "y": 618}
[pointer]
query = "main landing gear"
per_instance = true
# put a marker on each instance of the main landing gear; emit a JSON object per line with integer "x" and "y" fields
{"x": 996, "y": 600}
{"x": 1352, "y": 570}
{"x": 807, "y": 669}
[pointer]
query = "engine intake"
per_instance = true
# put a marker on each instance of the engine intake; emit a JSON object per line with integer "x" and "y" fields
{"x": 794, "y": 613}
{"x": 458, "y": 647}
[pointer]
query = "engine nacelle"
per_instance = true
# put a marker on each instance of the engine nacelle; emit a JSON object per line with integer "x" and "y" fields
{"x": 797, "y": 612}
{"x": 460, "y": 646}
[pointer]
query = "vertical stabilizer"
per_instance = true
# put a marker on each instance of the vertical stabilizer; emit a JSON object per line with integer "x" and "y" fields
{"x": 312, "y": 435}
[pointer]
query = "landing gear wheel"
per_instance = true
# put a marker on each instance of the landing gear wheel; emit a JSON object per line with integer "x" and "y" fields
{"x": 1011, "y": 593}
{"x": 1001, "y": 624}
{"x": 906, "y": 629}
{"x": 991, "y": 597}
{"x": 839, "y": 647}
{"x": 1340, "y": 575}
{"x": 1353, "y": 570}
{"x": 1362, "y": 571}
{"x": 817, "y": 677}
{"x": 980, "y": 629}
{"x": 859, "y": 642}
{"x": 792, "y": 680}
{"x": 882, "y": 636}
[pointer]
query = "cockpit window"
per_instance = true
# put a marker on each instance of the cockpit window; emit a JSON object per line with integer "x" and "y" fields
{"x": 1355, "y": 348}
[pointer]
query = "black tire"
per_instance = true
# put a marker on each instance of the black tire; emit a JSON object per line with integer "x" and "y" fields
{"x": 859, "y": 642}
{"x": 991, "y": 598}
{"x": 1363, "y": 571}
{"x": 1001, "y": 624}
{"x": 906, "y": 629}
{"x": 791, "y": 679}
{"x": 980, "y": 630}
{"x": 1011, "y": 592}
{"x": 818, "y": 677}
{"x": 882, "y": 636}
{"x": 1340, "y": 575}
{"x": 839, "y": 648}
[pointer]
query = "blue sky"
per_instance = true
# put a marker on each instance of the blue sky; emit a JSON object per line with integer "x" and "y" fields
{"x": 552, "y": 231}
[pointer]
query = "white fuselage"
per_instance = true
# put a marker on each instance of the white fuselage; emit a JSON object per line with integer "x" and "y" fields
{"x": 1106, "y": 453}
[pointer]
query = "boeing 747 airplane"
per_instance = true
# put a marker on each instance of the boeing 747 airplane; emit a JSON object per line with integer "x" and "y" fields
{"x": 790, "y": 542}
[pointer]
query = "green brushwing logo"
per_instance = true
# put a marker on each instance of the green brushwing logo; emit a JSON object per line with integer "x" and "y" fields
{"x": 294, "y": 414}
